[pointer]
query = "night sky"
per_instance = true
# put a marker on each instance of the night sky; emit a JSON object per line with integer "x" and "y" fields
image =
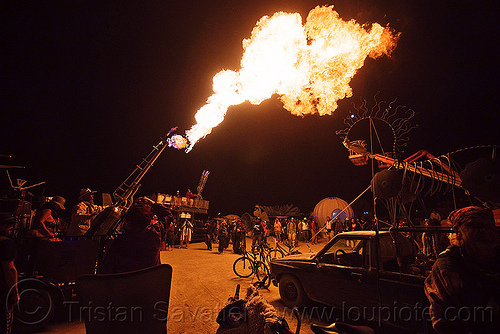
{"x": 88, "y": 87}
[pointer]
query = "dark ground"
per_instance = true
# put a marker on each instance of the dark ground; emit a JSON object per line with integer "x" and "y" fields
{"x": 201, "y": 284}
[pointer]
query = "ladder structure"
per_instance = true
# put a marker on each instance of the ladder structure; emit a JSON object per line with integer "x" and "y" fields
{"x": 107, "y": 221}
{"x": 201, "y": 184}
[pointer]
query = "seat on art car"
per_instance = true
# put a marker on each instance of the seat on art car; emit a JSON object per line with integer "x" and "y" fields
{"x": 132, "y": 302}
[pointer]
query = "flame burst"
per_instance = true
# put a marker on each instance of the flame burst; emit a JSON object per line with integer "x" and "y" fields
{"x": 308, "y": 66}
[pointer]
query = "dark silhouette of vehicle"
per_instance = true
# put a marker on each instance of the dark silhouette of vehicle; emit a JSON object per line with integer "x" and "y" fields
{"x": 370, "y": 275}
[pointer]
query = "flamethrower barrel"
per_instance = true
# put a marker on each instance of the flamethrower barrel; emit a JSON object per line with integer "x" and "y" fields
{"x": 129, "y": 187}
{"x": 109, "y": 219}
{"x": 124, "y": 193}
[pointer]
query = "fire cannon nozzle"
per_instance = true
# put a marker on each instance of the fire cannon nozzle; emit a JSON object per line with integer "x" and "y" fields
{"x": 174, "y": 140}
{"x": 177, "y": 141}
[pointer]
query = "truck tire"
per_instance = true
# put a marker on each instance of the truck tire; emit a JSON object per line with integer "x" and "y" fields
{"x": 291, "y": 292}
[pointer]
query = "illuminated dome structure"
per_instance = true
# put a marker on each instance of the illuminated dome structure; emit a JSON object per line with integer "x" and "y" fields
{"x": 332, "y": 207}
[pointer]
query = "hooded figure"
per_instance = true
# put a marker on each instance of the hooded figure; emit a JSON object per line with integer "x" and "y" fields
{"x": 138, "y": 247}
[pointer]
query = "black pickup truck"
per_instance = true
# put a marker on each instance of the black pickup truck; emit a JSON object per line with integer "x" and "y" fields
{"x": 372, "y": 276}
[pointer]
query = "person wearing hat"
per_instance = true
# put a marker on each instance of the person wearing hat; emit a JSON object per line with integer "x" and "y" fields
{"x": 83, "y": 213}
{"x": 47, "y": 220}
{"x": 9, "y": 295}
{"x": 464, "y": 285}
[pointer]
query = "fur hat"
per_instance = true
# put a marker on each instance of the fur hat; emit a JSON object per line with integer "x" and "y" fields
{"x": 469, "y": 214}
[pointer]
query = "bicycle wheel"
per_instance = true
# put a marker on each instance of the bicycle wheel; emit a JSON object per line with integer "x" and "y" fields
{"x": 261, "y": 270}
{"x": 243, "y": 267}
{"x": 276, "y": 254}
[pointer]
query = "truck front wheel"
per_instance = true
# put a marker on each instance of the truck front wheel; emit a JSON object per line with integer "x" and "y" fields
{"x": 291, "y": 292}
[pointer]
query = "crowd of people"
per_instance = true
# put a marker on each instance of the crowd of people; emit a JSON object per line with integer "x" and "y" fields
{"x": 48, "y": 222}
{"x": 53, "y": 221}
{"x": 465, "y": 274}
{"x": 291, "y": 231}
{"x": 466, "y": 270}
{"x": 288, "y": 230}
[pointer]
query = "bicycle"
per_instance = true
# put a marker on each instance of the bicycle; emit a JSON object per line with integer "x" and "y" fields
{"x": 262, "y": 252}
{"x": 248, "y": 265}
{"x": 243, "y": 266}
{"x": 279, "y": 251}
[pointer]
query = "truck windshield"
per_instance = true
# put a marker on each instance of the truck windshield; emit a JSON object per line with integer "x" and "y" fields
{"x": 346, "y": 252}
{"x": 347, "y": 245}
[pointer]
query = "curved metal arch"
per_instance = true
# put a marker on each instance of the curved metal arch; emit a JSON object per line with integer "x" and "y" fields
{"x": 387, "y": 113}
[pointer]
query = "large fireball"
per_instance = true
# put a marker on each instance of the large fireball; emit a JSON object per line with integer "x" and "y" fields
{"x": 308, "y": 66}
